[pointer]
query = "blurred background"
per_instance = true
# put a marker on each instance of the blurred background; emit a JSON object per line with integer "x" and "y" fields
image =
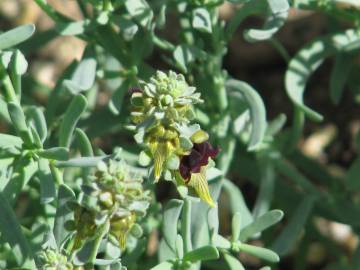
{"x": 332, "y": 142}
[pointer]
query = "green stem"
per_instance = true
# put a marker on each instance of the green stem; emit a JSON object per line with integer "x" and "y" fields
{"x": 281, "y": 49}
{"x": 100, "y": 235}
{"x": 296, "y": 130}
{"x": 185, "y": 225}
{"x": 52, "y": 13}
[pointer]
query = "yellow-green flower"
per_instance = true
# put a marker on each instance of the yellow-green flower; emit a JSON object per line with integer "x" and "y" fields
{"x": 50, "y": 259}
{"x": 115, "y": 196}
{"x": 162, "y": 112}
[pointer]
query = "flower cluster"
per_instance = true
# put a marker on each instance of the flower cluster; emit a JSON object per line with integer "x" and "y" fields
{"x": 116, "y": 197}
{"x": 162, "y": 111}
{"x": 52, "y": 260}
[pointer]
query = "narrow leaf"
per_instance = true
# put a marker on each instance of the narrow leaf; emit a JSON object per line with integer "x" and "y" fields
{"x": 63, "y": 213}
{"x": 257, "y": 110}
{"x": 83, "y": 143}
{"x": 164, "y": 266}
{"x": 171, "y": 216}
{"x": 16, "y": 36}
{"x": 18, "y": 119}
{"x": 202, "y": 254}
{"x": 237, "y": 202}
{"x": 11, "y": 232}
{"x": 82, "y": 162}
{"x": 7, "y": 141}
{"x": 292, "y": 231}
{"x": 201, "y": 20}
{"x": 72, "y": 115}
{"x": 262, "y": 253}
{"x": 339, "y": 76}
{"x": 279, "y": 13}
{"x": 84, "y": 75}
{"x": 233, "y": 263}
{"x": 37, "y": 118}
{"x": 260, "y": 224}
{"x": 55, "y": 153}
{"x": 307, "y": 60}
{"x": 236, "y": 226}
{"x": 47, "y": 184}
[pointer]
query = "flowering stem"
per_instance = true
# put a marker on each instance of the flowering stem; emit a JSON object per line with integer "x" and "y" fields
{"x": 101, "y": 233}
{"x": 185, "y": 225}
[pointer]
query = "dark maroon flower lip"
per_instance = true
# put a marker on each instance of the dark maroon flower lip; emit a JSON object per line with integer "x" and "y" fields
{"x": 134, "y": 89}
{"x": 198, "y": 157}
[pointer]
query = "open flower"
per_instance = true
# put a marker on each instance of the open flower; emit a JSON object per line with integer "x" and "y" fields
{"x": 162, "y": 111}
{"x": 193, "y": 169}
{"x": 158, "y": 107}
{"x": 199, "y": 157}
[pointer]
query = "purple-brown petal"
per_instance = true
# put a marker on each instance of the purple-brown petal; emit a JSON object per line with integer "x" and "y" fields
{"x": 198, "y": 157}
{"x": 134, "y": 89}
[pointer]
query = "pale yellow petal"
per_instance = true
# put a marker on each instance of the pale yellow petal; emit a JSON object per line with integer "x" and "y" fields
{"x": 122, "y": 241}
{"x": 160, "y": 155}
{"x": 199, "y": 183}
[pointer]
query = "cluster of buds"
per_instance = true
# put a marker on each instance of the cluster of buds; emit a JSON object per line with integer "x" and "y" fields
{"x": 116, "y": 197}
{"x": 50, "y": 259}
{"x": 162, "y": 111}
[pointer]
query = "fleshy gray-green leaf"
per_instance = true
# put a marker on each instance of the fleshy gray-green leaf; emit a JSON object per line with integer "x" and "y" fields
{"x": 260, "y": 224}
{"x": 11, "y": 232}
{"x": 237, "y": 202}
{"x": 16, "y": 36}
{"x": 262, "y": 253}
{"x": 171, "y": 216}
{"x": 84, "y": 75}
{"x": 63, "y": 213}
{"x": 202, "y": 254}
{"x": 257, "y": 110}
{"x": 307, "y": 60}
{"x": 201, "y": 20}
{"x": 164, "y": 266}
{"x": 47, "y": 184}
{"x": 140, "y": 11}
{"x": 72, "y": 115}
{"x": 236, "y": 226}
{"x": 233, "y": 263}
{"x": 279, "y": 13}
{"x": 267, "y": 183}
{"x": 55, "y": 153}
{"x": 24, "y": 170}
{"x": 18, "y": 119}
{"x": 292, "y": 231}
{"x": 83, "y": 143}
{"x": 82, "y": 162}
{"x": 7, "y": 141}
{"x": 72, "y": 28}
{"x": 20, "y": 64}
{"x": 37, "y": 118}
